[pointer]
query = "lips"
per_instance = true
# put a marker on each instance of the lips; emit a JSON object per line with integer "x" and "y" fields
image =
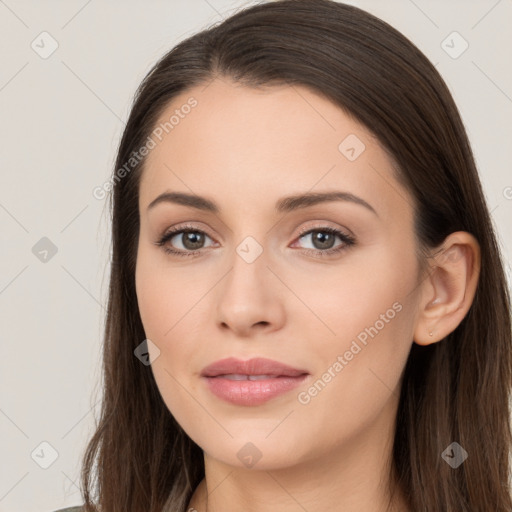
{"x": 252, "y": 382}
{"x": 235, "y": 376}
{"x": 253, "y": 367}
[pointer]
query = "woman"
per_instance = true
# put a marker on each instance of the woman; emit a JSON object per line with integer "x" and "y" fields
{"x": 307, "y": 307}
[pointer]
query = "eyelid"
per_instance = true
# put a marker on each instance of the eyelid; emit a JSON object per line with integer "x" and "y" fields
{"x": 323, "y": 225}
{"x": 344, "y": 234}
{"x": 186, "y": 226}
{"x": 347, "y": 238}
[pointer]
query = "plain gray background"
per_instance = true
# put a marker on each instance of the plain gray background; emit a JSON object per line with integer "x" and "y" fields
{"x": 61, "y": 119}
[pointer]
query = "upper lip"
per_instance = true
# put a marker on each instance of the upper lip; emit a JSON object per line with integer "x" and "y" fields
{"x": 255, "y": 366}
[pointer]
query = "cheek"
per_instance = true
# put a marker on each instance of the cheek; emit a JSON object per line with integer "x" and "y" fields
{"x": 171, "y": 307}
{"x": 365, "y": 314}
{"x": 345, "y": 300}
{"x": 161, "y": 294}
{"x": 151, "y": 297}
{"x": 358, "y": 371}
{"x": 163, "y": 314}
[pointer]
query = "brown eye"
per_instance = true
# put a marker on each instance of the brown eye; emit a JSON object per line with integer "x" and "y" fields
{"x": 324, "y": 238}
{"x": 191, "y": 240}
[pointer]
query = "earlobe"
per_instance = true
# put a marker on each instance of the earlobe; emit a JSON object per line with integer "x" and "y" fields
{"x": 449, "y": 289}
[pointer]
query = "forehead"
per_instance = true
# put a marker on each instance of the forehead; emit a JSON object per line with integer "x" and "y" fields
{"x": 245, "y": 144}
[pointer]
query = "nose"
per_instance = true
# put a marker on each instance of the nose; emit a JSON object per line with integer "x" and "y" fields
{"x": 250, "y": 298}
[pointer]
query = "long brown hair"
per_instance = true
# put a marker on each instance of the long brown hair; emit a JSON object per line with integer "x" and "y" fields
{"x": 454, "y": 390}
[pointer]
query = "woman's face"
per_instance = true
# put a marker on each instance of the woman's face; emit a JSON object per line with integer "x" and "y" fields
{"x": 260, "y": 286}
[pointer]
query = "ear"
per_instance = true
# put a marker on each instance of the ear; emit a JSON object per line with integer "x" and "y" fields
{"x": 449, "y": 288}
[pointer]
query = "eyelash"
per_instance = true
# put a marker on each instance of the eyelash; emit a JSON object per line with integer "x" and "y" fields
{"x": 347, "y": 240}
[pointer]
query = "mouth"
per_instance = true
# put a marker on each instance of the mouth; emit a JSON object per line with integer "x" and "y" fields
{"x": 238, "y": 376}
{"x": 252, "y": 382}
{"x": 257, "y": 366}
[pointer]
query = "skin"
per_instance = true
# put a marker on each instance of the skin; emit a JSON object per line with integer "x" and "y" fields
{"x": 245, "y": 148}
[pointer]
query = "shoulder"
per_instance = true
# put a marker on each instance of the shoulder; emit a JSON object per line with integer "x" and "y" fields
{"x": 70, "y": 509}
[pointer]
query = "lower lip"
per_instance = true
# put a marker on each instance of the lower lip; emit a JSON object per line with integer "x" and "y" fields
{"x": 252, "y": 392}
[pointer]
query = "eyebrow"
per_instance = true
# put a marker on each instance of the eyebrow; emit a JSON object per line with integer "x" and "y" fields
{"x": 285, "y": 204}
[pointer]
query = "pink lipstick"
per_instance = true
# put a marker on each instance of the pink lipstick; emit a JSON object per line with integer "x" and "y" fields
{"x": 251, "y": 382}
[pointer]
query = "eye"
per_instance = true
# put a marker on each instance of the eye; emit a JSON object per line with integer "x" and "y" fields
{"x": 191, "y": 239}
{"x": 323, "y": 239}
